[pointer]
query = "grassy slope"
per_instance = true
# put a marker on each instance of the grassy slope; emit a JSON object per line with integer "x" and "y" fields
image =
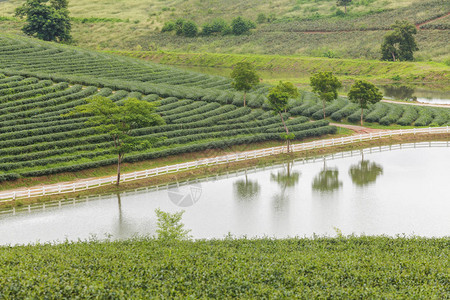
{"x": 142, "y": 21}
{"x": 338, "y": 268}
{"x": 300, "y": 68}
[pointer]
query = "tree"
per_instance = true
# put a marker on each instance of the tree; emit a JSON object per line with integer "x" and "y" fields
{"x": 400, "y": 43}
{"x": 245, "y": 77}
{"x": 190, "y": 29}
{"x": 343, "y": 3}
{"x": 364, "y": 93}
{"x": 325, "y": 85}
{"x": 47, "y": 20}
{"x": 278, "y": 100}
{"x": 119, "y": 120}
{"x": 240, "y": 26}
{"x": 170, "y": 227}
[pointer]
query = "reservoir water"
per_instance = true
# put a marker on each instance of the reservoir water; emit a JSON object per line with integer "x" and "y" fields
{"x": 389, "y": 190}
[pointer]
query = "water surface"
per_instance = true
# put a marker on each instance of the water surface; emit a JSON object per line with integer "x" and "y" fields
{"x": 402, "y": 189}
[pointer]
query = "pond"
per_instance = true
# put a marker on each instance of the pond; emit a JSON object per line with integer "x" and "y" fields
{"x": 390, "y": 190}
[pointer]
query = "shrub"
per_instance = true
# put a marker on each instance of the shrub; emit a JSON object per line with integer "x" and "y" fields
{"x": 190, "y": 29}
{"x": 241, "y": 26}
{"x": 168, "y": 26}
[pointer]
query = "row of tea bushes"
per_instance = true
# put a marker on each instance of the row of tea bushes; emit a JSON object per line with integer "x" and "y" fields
{"x": 382, "y": 113}
{"x": 142, "y": 268}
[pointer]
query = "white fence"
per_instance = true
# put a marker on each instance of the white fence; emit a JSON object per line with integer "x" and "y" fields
{"x": 90, "y": 184}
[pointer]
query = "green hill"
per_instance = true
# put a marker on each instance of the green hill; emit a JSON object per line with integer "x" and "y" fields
{"x": 40, "y": 81}
{"x": 311, "y": 28}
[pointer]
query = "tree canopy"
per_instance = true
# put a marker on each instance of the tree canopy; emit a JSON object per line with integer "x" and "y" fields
{"x": 240, "y": 26}
{"x": 244, "y": 77}
{"x": 325, "y": 85}
{"x": 278, "y": 100}
{"x": 119, "y": 120}
{"x": 399, "y": 44}
{"x": 47, "y": 20}
{"x": 343, "y": 3}
{"x": 364, "y": 93}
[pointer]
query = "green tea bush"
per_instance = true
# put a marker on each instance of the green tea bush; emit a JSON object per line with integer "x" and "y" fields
{"x": 320, "y": 268}
{"x": 409, "y": 116}
{"x": 394, "y": 114}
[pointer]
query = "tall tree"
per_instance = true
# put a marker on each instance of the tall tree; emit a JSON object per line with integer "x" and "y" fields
{"x": 244, "y": 77}
{"x": 119, "y": 120}
{"x": 325, "y": 85}
{"x": 343, "y": 3}
{"x": 278, "y": 100}
{"x": 47, "y": 20}
{"x": 400, "y": 43}
{"x": 364, "y": 93}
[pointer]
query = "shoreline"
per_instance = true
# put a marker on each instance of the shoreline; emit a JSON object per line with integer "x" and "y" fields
{"x": 203, "y": 171}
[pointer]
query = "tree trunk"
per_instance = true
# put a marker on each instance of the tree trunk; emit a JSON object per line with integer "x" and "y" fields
{"x": 345, "y": 8}
{"x": 287, "y": 132}
{"x": 323, "y": 106}
{"x": 118, "y": 169}
{"x": 393, "y": 56}
{"x": 245, "y": 94}
{"x": 362, "y": 113}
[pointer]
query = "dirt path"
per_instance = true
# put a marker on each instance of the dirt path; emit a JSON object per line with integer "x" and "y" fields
{"x": 417, "y": 103}
{"x": 432, "y": 20}
{"x": 357, "y": 129}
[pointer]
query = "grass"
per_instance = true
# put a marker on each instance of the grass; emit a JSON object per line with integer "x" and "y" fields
{"x": 298, "y": 69}
{"x": 144, "y": 19}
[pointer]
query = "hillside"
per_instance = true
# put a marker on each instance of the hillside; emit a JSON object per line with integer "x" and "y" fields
{"x": 296, "y": 28}
{"x": 40, "y": 81}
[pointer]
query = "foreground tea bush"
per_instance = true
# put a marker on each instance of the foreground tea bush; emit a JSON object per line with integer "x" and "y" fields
{"x": 343, "y": 268}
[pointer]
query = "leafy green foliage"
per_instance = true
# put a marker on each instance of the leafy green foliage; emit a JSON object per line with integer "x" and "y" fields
{"x": 240, "y": 26}
{"x": 325, "y": 85}
{"x": 344, "y": 3}
{"x": 400, "y": 43}
{"x": 169, "y": 226}
{"x": 46, "y": 22}
{"x": 364, "y": 93}
{"x": 320, "y": 268}
{"x": 278, "y": 102}
{"x": 190, "y": 29}
{"x": 217, "y": 26}
{"x": 244, "y": 77}
{"x": 117, "y": 121}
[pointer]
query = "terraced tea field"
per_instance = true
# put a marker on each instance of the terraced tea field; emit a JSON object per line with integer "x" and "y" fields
{"x": 382, "y": 113}
{"x": 42, "y": 81}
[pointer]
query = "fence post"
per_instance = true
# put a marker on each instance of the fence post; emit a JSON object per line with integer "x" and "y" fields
{"x": 29, "y": 193}
{"x": 14, "y": 195}
{"x": 43, "y": 190}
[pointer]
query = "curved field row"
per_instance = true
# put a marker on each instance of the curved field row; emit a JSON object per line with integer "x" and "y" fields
{"x": 35, "y": 139}
{"x": 382, "y": 113}
{"x": 36, "y": 56}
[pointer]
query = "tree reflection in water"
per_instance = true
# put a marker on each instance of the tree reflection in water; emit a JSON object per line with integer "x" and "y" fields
{"x": 285, "y": 178}
{"x": 365, "y": 172}
{"x": 246, "y": 189}
{"x": 327, "y": 180}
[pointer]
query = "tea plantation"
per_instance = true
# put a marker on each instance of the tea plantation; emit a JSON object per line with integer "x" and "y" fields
{"x": 319, "y": 268}
{"x": 39, "y": 82}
